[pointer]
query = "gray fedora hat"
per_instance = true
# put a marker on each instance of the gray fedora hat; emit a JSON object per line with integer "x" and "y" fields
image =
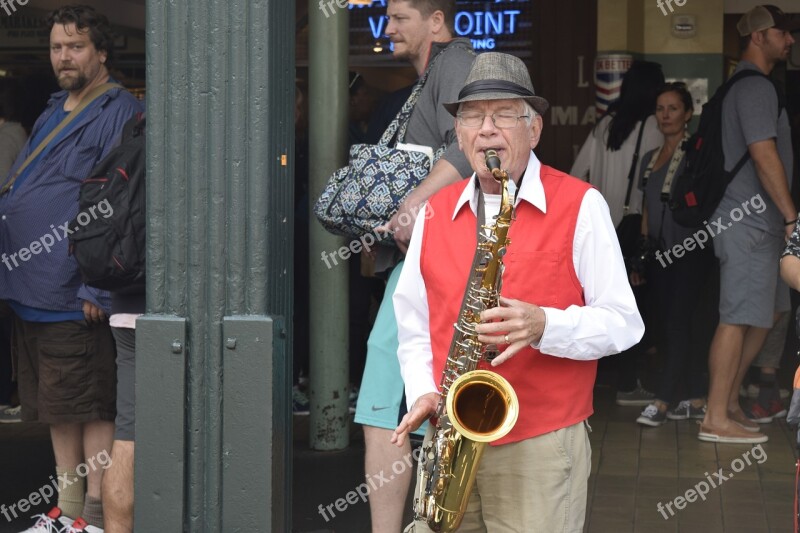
{"x": 496, "y": 76}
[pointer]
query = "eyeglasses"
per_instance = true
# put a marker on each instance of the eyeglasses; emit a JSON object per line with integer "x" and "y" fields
{"x": 503, "y": 121}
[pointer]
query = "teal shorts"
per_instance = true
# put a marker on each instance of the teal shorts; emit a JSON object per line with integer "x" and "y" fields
{"x": 382, "y": 387}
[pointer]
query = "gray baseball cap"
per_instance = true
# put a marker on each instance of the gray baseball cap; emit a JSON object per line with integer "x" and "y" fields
{"x": 496, "y": 76}
{"x": 764, "y": 17}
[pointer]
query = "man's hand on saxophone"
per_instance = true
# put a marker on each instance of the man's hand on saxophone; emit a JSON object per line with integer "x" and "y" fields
{"x": 423, "y": 409}
{"x": 515, "y": 323}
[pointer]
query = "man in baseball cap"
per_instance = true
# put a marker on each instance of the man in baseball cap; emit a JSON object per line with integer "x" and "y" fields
{"x": 755, "y": 129}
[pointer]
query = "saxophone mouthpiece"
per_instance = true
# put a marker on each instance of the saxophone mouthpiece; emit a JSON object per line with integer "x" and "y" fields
{"x": 492, "y": 160}
{"x": 493, "y": 164}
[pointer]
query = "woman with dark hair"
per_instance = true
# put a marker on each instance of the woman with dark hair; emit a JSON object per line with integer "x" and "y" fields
{"x": 605, "y": 160}
{"x": 606, "y": 156}
{"x": 676, "y": 284}
{"x": 12, "y": 134}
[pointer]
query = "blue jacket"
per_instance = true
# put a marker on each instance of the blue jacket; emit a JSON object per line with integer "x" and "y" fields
{"x": 42, "y": 274}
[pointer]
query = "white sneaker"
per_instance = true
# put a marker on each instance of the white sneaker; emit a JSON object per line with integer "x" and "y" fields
{"x": 52, "y": 522}
{"x": 10, "y": 415}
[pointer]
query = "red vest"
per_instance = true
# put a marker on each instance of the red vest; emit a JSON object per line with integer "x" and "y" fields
{"x": 553, "y": 392}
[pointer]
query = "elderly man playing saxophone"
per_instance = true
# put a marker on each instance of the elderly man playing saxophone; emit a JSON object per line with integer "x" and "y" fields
{"x": 565, "y": 302}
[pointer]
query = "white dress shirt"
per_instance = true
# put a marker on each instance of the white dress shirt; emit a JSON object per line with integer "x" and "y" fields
{"x": 608, "y": 323}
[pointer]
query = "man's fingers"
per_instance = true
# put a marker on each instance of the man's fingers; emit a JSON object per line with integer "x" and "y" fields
{"x": 507, "y": 302}
{"x": 502, "y": 312}
{"x": 403, "y": 428}
{"x": 509, "y": 323}
{"x": 92, "y": 314}
{"x": 398, "y": 439}
{"x": 494, "y": 339}
{"x": 508, "y": 353}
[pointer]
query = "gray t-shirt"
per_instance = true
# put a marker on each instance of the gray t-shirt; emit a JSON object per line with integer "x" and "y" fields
{"x": 750, "y": 115}
{"x": 430, "y": 124}
{"x": 659, "y": 216}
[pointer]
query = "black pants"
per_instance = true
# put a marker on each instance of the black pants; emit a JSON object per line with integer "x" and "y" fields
{"x": 6, "y": 368}
{"x": 686, "y": 297}
{"x": 626, "y": 363}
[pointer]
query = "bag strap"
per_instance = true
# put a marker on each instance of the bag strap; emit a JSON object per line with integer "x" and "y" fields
{"x": 88, "y": 99}
{"x": 401, "y": 120}
{"x": 632, "y": 171}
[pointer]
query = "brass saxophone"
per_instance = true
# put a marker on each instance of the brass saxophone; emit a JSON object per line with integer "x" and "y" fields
{"x": 476, "y": 406}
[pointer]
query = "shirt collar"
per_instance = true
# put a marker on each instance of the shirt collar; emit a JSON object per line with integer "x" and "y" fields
{"x": 438, "y": 46}
{"x": 532, "y": 190}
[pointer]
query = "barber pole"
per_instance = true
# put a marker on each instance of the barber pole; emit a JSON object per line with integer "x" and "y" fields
{"x": 609, "y": 70}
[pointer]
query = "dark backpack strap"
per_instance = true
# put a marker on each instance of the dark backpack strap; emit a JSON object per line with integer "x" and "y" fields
{"x": 632, "y": 171}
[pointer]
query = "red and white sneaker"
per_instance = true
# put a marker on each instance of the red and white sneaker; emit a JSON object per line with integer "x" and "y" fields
{"x": 80, "y": 526}
{"x": 765, "y": 415}
{"x": 52, "y": 522}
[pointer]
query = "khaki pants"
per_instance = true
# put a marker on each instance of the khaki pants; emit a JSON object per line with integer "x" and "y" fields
{"x": 538, "y": 485}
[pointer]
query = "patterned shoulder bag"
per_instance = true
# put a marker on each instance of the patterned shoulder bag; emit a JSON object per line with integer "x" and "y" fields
{"x": 369, "y": 190}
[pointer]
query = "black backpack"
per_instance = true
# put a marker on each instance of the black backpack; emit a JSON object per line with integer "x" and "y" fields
{"x": 107, "y": 236}
{"x": 698, "y": 190}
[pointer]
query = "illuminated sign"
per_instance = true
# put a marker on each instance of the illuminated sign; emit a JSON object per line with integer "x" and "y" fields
{"x": 500, "y": 24}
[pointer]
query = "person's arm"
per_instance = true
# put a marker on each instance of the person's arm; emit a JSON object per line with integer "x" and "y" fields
{"x": 758, "y": 111}
{"x": 790, "y": 271}
{"x": 790, "y": 259}
{"x": 772, "y": 175}
{"x": 442, "y": 174}
{"x": 608, "y": 323}
{"x": 414, "y": 352}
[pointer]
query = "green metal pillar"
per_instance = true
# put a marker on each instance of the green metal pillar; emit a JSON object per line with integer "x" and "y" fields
{"x": 328, "y": 102}
{"x": 213, "y": 379}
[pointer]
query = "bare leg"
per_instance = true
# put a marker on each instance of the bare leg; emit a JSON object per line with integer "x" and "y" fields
{"x": 387, "y": 502}
{"x": 724, "y": 360}
{"x": 98, "y": 436}
{"x": 753, "y": 341}
{"x": 724, "y": 363}
{"x": 118, "y": 489}
{"x": 67, "y": 442}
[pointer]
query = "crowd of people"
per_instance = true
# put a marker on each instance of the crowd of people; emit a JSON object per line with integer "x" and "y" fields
{"x": 627, "y": 167}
